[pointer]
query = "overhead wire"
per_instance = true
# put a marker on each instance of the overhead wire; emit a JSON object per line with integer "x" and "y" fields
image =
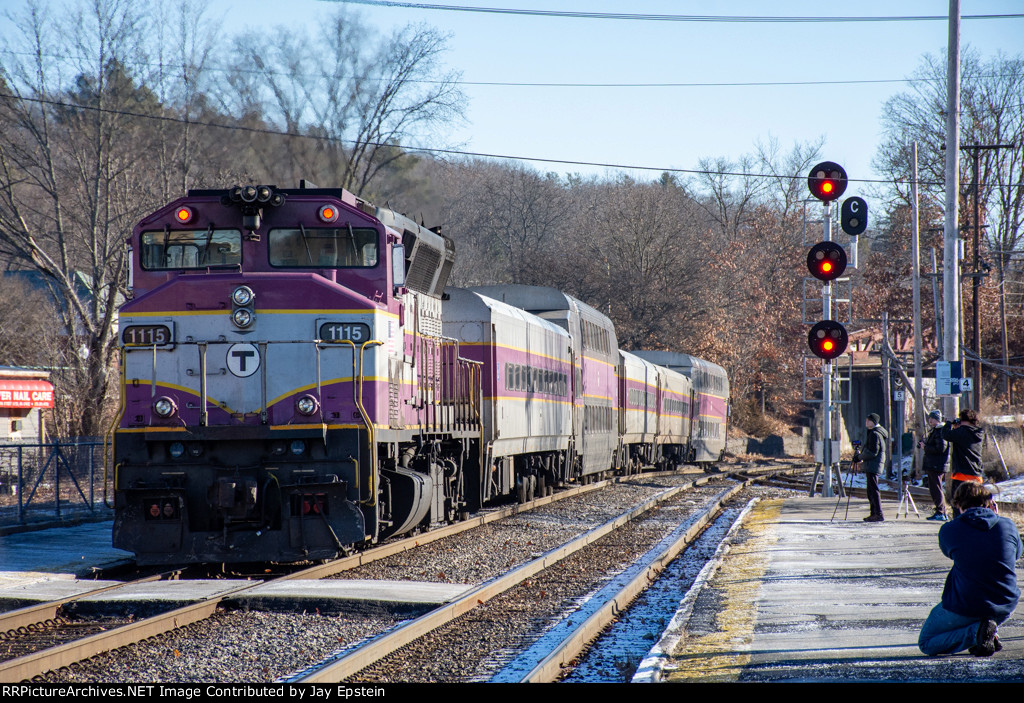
{"x": 429, "y": 150}
{"x": 650, "y": 17}
{"x": 527, "y": 84}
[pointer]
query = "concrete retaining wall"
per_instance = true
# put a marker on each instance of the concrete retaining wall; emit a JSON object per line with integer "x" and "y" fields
{"x": 772, "y": 445}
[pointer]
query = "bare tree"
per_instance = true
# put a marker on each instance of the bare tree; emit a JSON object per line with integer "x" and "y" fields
{"x": 70, "y": 159}
{"x": 362, "y": 96}
{"x": 992, "y": 112}
{"x": 506, "y": 213}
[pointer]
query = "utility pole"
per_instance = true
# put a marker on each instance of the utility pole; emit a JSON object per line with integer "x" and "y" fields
{"x": 915, "y": 253}
{"x": 951, "y": 234}
{"x": 976, "y": 274}
{"x": 936, "y": 303}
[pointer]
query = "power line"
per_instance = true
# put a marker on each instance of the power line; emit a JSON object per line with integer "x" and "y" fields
{"x": 430, "y": 150}
{"x": 434, "y": 150}
{"x": 527, "y": 84}
{"x": 674, "y": 18}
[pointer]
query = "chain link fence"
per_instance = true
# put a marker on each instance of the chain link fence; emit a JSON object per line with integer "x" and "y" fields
{"x": 52, "y": 481}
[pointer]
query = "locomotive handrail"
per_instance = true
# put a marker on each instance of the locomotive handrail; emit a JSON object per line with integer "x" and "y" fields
{"x": 263, "y": 381}
{"x": 370, "y": 427}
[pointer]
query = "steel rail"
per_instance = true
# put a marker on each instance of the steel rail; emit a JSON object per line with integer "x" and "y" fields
{"x": 35, "y": 614}
{"x": 403, "y": 545}
{"x": 551, "y": 666}
{"x": 352, "y": 662}
{"x": 38, "y": 663}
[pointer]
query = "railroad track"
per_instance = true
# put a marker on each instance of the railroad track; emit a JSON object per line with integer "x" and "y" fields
{"x": 545, "y": 658}
{"x": 36, "y": 664}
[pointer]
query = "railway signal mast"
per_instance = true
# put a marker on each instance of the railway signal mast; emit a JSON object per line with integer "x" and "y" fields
{"x": 826, "y": 261}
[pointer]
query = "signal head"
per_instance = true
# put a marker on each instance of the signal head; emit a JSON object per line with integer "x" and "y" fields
{"x": 826, "y": 261}
{"x": 854, "y": 216}
{"x": 827, "y": 181}
{"x": 827, "y": 339}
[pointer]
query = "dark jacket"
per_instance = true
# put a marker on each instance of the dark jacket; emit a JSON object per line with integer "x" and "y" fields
{"x": 984, "y": 548}
{"x": 873, "y": 453}
{"x": 964, "y": 448}
{"x": 936, "y": 451}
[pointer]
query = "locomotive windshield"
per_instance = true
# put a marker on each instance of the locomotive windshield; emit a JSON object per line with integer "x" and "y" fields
{"x": 190, "y": 249}
{"x": 341, "y": 247}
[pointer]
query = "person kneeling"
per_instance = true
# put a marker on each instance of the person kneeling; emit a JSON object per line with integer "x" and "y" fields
{"x": 981, "y": 588}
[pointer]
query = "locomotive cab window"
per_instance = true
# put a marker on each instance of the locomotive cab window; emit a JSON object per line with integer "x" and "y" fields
{"x": 190, "y": 249}
{"x": 314, "y": 247}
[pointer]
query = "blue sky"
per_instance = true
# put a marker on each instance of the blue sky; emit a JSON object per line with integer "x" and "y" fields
{"x": 667, "y": 127}
{"x": 675, "y": 127}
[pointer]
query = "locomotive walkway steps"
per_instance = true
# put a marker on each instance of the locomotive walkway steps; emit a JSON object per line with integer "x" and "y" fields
{"x": 799, "y": 597}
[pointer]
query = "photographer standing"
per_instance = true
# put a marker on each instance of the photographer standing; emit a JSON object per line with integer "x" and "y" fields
{"x": 873, "y": 457}
{"x": 964, "y": 437}
{"x": 936, "y": 454}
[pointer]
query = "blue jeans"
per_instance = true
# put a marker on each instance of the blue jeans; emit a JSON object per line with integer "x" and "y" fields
{"x": 948, "y": 633}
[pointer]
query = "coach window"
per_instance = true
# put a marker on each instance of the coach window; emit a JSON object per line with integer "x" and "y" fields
{"x": 164, "y": 250}
{"x": 313, "y": 247}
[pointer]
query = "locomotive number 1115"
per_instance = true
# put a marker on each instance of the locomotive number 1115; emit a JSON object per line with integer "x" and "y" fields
{"x": 146, "y": 335}
{"x": 344, "y": 332}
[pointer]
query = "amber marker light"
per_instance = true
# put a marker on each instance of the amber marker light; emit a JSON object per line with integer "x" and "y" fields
{"x": 328, "y": 213}
{"x": 183, "y": 215}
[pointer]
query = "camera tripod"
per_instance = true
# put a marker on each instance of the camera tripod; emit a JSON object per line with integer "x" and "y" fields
{"x": 848, "y": 491}
{"x": 906, "y": 502}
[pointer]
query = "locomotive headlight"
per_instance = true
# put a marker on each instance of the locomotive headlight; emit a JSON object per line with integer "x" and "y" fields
{"x": 176, "y": 450}
{"x": 297, "y": 447}
{"x": 278, "y": 448}
{"x": 165, "y": 407}
{"x": 306, "y": 405}
{"x": 242, "y": 317}
{"x": 195, "y": 450}
{"x": 242, "y": 295}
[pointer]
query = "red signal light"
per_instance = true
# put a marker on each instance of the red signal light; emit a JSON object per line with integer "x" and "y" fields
{"x": 826, "y": 261}
{"x": 827, "y": 339}
{"x": 827, "y": 181}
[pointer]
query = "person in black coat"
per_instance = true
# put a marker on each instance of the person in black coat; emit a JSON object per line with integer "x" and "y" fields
{"x": 964, "y": 436}
{"x": 872, "y": 454}
{"x": 936, "y": 455}
{"x": 981, "y": 589}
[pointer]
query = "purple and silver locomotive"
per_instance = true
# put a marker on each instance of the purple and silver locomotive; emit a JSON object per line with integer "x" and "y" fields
{"x": 297, "y": 380}
{"x": 287, "y": 391}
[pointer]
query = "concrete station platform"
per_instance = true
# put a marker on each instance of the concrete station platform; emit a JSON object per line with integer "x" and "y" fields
{"x": 798, "y": 597}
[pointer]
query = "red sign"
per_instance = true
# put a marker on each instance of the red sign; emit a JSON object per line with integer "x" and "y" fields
{"x": 26, "y": 394}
